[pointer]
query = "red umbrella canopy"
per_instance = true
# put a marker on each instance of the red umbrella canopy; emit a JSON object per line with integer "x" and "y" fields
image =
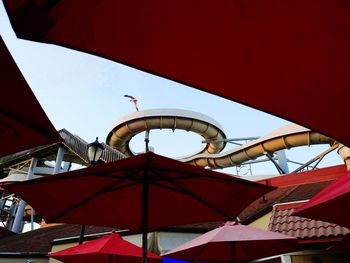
{"x": 330, "y": 205}
{"x": 265, "y": 54}
{"x": 147, "y": 191}
{"x": 234, "y": 242}
{"x": 23, "y": 123}
{"x": 110, "y": 248}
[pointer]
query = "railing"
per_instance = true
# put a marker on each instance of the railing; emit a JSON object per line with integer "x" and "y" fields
{"x": 79, "y": 147}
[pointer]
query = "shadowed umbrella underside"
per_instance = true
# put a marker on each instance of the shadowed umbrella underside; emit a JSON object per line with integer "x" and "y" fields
{"x": 140, "y": 193}
{"x": 23, "y": 123}
{"x": 259, "y": 53}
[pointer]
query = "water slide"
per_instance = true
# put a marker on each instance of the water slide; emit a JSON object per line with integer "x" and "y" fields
{"x": 211, "y": 155}
{"x": 132, "y": 124}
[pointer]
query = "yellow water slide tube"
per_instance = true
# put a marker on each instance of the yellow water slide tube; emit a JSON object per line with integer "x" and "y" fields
{"x": 211, "y": 155}
{"x": 132, "y": 124}
{"x": 286, "y": 137}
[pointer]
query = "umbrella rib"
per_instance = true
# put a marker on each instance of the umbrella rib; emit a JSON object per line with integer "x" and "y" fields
{"x": 184, "y": 191}
{"x": 197, "y": 255}
{"x": 184, "y": 174}
{"x": 192, "y": 175}
{"x": 71, "y": 176}
{"x": 103, "y": 190}
{"x": 110, "y": 174}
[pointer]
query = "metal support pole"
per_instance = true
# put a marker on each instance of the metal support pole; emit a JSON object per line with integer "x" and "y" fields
{"x": 279, "y": 169}
{"x": 282, "y": 160}
{"x": 59, "y": 159}
{"x": 17, "y": 224}
{"x": 231, "y": 140}
{"x": 31, "y": 218}
{"x": 11, "y": 216}
{"x": 147, "y": 140}
{"x": 286, "y": 259}
{"x": 318, "y": 157}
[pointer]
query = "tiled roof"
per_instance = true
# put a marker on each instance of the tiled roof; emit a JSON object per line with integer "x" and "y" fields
{"x": 291, "y": 188}
{"x": 304, "y": 191}
{"x": 263, "y": 205}
{"x": 281, "y": 195}
{"x": 294, "y": 189}
{"x": 39, "y": 240}
{"x": 301, "y": 227}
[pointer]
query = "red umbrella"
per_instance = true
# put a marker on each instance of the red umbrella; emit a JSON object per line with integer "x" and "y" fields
{"x": 109, "y": 249}
{"x": 259, "y": 53}
{"x": 23, "y": 123}
{"x": 330, "y": 205}
{"x": 140, "y": 193}
{"x": 234, "y": 242}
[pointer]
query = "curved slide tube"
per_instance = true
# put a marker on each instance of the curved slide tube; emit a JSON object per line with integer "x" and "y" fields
{"x": 132, "y": 124}
{"x": 286, "y": 137}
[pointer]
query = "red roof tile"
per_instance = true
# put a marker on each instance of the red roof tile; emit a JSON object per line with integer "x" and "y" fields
{"x": 263, "y": 205}
{"x": 292, "y": 188}
{"x": 281, "y": 195}
{"x": 304, "y": 191}
{"x": 301, "y": 227}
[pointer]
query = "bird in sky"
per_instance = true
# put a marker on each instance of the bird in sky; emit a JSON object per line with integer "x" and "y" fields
{"x": 133, "y": 100}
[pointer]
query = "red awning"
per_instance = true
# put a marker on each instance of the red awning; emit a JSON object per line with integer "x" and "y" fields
{"x": 23, "y": 123}
{"x": 287, "y": 58}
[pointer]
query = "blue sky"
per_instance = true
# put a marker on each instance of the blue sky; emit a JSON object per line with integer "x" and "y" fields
{"x": 84, "y": 94}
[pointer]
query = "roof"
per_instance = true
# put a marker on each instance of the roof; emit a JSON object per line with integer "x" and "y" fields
{"x": 304, "y": 191}
{"x": 292, "y": 187}
{"x": 262, "y": 205}
{"x": 293, "y": 190}
{"x": 265, "y": 203}
{"x": 317, "y": 175}
{"x": 303, "y": 228}
{"x": 39, "y": 241}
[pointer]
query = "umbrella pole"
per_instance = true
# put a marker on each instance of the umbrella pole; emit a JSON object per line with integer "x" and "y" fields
{"x": 82, "y": 232}
{"x": 144, "y": 218}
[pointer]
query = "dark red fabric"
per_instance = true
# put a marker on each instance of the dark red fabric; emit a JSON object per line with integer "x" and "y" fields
{"x": 330, "y": 205}
{"x": 343, "y": 245}
{"x": 288, "y": 58}
{"x": 111, "y": 194}
{"x": 234, "y": 243}
{"x": 23, "y": 123}
{"x": 110, "y": 248}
